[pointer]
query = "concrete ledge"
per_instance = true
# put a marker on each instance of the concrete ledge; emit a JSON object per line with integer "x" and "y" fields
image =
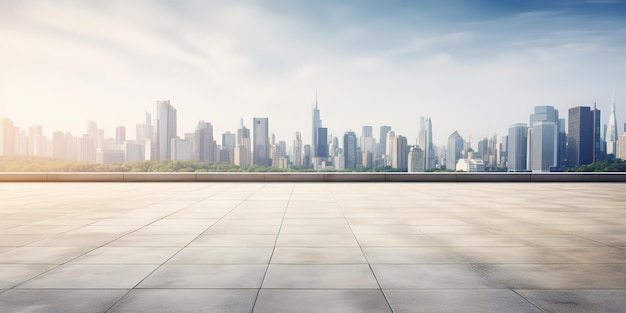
{"x": 311, "y": 177}
{"x": 85, "y": 177}
{"x": 160, "y": 177}
{"x": 23, "y": 177}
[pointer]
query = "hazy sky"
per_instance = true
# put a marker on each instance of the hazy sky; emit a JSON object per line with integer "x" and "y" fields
{"x": 471, "y": 66}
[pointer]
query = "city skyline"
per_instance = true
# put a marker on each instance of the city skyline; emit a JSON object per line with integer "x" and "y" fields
{"x": 472, "y": 67}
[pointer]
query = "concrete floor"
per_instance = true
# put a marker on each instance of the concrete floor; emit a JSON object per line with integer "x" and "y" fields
{"x": 312, "y": 247}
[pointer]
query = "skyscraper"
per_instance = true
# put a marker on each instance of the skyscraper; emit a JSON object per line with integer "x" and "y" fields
{"x": 7, "y": 137}
{"x": 261, "y": 145}
{"x": 349, "y": 149}
{"x": 454, "y": 149}
{"x": 203, "y": 148}
{"x": 611, "y": 138}
{"x": 400, "y": 153}
{"x": 544, "y": 146}
{"x": 322, "y": 143}
{"x": 317, "y": 123}
{"x": 120, "y": 135}
{"x": 416, "y": 159}
{"x": 517, "y": 147}
{"x": 166, "y": 129}
{"x": 296, "y": 151}
{"x": 382, "y": 140}
{"x": 426, "y": 142}
{"x": 243, "y": 150}
{"x": 581, "y": 136}
{"x": 543, "y": 139}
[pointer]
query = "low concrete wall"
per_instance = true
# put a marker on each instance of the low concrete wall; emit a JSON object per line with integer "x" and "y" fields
{"x": 313, "y": 177}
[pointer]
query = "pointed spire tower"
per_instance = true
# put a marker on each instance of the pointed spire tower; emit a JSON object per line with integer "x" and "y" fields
{"x": 611, "y": 138}
{"x": 317, "y": 123}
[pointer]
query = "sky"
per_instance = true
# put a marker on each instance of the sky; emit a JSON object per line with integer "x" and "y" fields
{"x": 472, "y": 66}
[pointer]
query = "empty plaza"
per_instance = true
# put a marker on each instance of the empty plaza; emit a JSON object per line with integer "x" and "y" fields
{"x": 312, "y": 247}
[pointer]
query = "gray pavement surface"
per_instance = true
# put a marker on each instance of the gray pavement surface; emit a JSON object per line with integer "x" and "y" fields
{"x": 312, "y": 247}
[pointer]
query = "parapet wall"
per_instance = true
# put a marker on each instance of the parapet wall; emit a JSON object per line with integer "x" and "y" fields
{"x": 312, "y": 177}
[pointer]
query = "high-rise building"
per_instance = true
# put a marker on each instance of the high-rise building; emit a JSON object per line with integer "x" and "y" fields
{"x": 59, "y": 145}
{"x": 544, "y": 146}
{"x": 120, "y": 135}
{"x": 400, "y": 153}
{"x": 317, "y": 123}
{"x": 517, "y": 147}
{"x": 416, "y": 159}
{"x": 382, "y": 140}
{"x": 620, "y": 147}
{"x": 367, "y": 131}
{"x": 35, "y": 134}
{"x": 243, "y": 150}
{"x": 166, "y": 129}
{"x": 261, "y": 150}
{"x": 454, "y": 149}
{"x": 425, "y": 141}
{"x": 7, "y": 137}
{"x": 227, "y": 153}
{"x": 322, "y": 143}
{"x": 389, "y": 150}
{"x": 296, "y": 151}
{"x": 349, "y": 149}
{"x": 581, "y": 135}
{"x": 611, "y": 138}
{"x": 203, "y": 148}
{"x": 543, "y": 140}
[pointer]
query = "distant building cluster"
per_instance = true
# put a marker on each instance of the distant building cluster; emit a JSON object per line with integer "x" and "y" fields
{"x": 544, "y": 144}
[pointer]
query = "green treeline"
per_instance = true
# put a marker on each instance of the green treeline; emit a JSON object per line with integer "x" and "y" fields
{"x": 616, "y": 165}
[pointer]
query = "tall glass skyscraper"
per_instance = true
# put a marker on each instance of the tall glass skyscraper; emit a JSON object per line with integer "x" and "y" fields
{"x": 517, "y": 147}
{"x": 580, "y": 136}
{"x": 317, "y": 123}
{"x": 261, "y": 145}
{"x": 166, "y": 129}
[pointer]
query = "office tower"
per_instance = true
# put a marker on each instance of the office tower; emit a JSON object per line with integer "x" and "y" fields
{"x": 389, "y": 149}
{"x": 296, "y": 151}
{"x": 562, "y": 155}
{"x": 502, "y": 151}
{"x": 21, "y": 142}
{"x": 492, "y": 160}
{"x": 367, "y": 142}
{"x": 426, "y": 142}
{"x": 620, "y": 147}
{"x": 367, "y": 131}
{"x": 181, "y": 149}
{"x": 599, "y": 143}
{"x": 59, "y": 146}
{"x": 243, "y": 149}
{"x": 317, "y": 123}
{"x": 400, "y": 153}
{"x": 92, "y": 132}
{"x": 367, "y": 159}
{"x": 144, "y": 131}
{"x": 120, "y": 135}
{"x": 543, "y": 140}
{"x": 34, "y": 134}
{"x": 349, "y": 149}
{"x": 382, "y": 140}
{"x": 261, "y": 150}
{"x": 416, "y": 159}
{"x": 517, "y": 147}
{"x": 87, "y": 149}
{"x": 203, "y": 148}
{"x": 454, "y": 149}
{"x": 483, "y": 149}
{"x": 227, "y": 152}
{"x": 7, "y": 137}
{"x": 544, "y": 146}
{"x": 166, "y": 129}
{"x": 581, "y": 136}
{"x": 322, "y": 143}
{"x": 611, "y": 138}
{"x": 306, "y": 157}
